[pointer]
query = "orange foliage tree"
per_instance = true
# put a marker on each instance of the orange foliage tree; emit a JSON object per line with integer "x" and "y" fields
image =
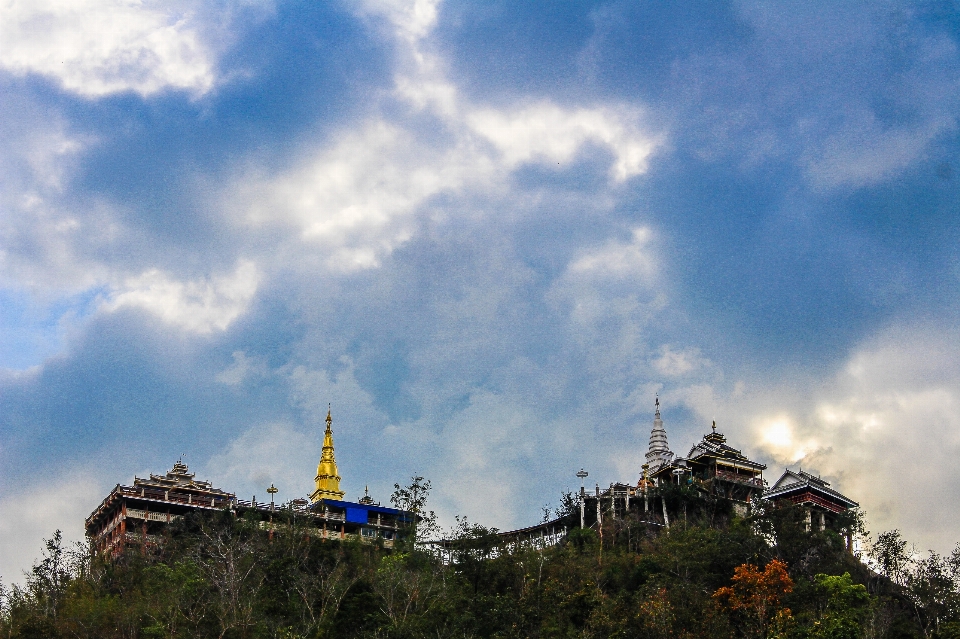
{"x": 755, "y": 597}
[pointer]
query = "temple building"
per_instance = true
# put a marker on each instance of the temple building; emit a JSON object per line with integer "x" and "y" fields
{"x": 720, "y": 469}
{"x": 137, "y": 515}
{"x": 821, "y": 503}
{"x": 342, "y": 519}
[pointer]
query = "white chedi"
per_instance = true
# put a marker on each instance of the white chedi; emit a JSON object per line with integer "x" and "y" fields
{"x": 658, "y": 454}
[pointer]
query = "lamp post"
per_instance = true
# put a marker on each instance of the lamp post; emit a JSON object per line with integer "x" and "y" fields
{"x": 273, "y": 491}
{"x": 582, "y": 474}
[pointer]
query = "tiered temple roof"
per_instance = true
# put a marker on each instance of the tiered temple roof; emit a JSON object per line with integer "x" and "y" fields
{"x": 713, "y": 450}
{"x": 799, "y": 487}
{"x": 179, "y": 478}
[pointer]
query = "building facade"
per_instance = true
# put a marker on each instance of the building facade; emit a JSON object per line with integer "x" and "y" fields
{"x": 137, "y": 514}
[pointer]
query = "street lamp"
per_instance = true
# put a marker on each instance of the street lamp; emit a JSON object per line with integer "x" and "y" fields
{"x": 582, "y": 474}
{"x": 273, "y": 491}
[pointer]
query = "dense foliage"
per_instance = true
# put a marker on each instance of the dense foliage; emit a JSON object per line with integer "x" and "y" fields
{"x": 760, "y": 576}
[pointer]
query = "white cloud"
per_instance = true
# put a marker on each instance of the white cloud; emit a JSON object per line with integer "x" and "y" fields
{"x": 99, "y": 47}
{"x": 891, "y": 430}
{"x": 39, "y": 225}
{"x": 243, "y": 368}
{"x": 358, "y": 198}
{"x": 616, "y": 259}
{"x": 34, "y": 512}
{"x": 612, "y": 282}
{"x": 869, "y": 128}
{"x": 869, "y": 153}
{"x": 287, "y": 455}
{"x": 412, "y": 19}
{"x": 676, "y": 363}
{"x": 317, "y": 391}
{"x": 274, "y": 453}
{"x": 780, "y": 437}
{"x": 546, "y": 132}
{"x": 885, "y": 431}
{"x": 485, "y": 448}
{"x": 200, "y": 306}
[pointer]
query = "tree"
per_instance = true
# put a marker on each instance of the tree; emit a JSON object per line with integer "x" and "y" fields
{"x": 178, "y": 598}
{"x": 656, "y": 614}
{"x": 755, "y": 597}
{"x": 227, "y": 558}
{"x": 412, "y": 498}
{"x": 930, "y": 584}
{"x": 841, "y": 607}
{"x": 49, "y": 578}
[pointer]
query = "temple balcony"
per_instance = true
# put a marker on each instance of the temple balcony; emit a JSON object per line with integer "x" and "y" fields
{"x": 736, "y": 478}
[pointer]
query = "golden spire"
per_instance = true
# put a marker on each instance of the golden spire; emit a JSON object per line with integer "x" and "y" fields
{"x": 328, "y": 481}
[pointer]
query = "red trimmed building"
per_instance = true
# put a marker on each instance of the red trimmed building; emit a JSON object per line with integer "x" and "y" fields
{"x": 135, "y": 515}
{"x": 821, "y": 503}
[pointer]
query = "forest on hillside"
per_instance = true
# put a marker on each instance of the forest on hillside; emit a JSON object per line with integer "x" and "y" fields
{"x": 712, "y": 574}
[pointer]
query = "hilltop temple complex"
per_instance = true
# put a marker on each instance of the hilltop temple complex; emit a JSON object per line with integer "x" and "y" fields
{"x": 712, "y": 472}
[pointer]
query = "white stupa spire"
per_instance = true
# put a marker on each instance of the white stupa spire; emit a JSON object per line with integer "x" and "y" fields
{"x": 659, "y": 452}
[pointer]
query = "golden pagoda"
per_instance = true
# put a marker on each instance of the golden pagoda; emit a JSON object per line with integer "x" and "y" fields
{"x": 328, "y": 481}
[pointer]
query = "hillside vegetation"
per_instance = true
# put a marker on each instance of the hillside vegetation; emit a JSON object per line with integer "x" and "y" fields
{"x": 760, "y": 576}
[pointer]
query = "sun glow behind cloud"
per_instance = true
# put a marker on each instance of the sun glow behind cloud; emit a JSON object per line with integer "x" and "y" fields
{"x": 778, "y": 436}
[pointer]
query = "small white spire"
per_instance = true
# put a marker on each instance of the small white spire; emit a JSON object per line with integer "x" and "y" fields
{"x": 658, "y": 453}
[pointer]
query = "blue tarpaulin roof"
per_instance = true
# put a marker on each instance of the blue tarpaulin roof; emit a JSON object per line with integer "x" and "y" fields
{"x": 359, "y": 513}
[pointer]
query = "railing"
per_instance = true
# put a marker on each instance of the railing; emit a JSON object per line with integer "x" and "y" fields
{"x": 190, "y": 499}
{"x": 136, "y": 513}
{"x": 739, "y": 479}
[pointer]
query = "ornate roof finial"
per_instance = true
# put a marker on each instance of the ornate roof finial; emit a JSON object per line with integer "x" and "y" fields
{"x": 657, "y": 402}
{"x": 714, "y": 426}
{"x": 366, "y": 499}
{"x": 329, "y": 418}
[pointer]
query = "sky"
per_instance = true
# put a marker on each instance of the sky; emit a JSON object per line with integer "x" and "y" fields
{"x": 487, "y": 235}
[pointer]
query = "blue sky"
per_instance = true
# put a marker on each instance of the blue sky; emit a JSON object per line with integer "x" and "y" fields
{"x": 487, "y": 233}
